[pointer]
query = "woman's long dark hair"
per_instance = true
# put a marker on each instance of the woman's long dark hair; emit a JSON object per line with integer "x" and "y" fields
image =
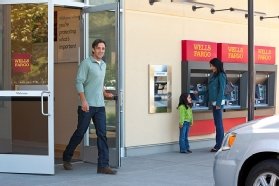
{"x": 218, "y": 64}
{"x": 183, "y": 100}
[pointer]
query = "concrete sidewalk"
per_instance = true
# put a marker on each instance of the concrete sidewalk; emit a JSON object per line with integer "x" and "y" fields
{"x": 172, "y": 168}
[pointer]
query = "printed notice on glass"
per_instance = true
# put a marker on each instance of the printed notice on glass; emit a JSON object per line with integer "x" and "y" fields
{"x": 68, "y": 35}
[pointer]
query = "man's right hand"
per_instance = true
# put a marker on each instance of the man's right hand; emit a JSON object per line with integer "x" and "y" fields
{"x": 85, "y": 106}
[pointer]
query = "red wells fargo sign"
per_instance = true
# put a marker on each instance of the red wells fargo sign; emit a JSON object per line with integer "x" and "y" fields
{"x": 233, "y": 53}
{"x": 21, "y": 62}
{"x": 265, "y": 55}
{"x": 198, "y": 51}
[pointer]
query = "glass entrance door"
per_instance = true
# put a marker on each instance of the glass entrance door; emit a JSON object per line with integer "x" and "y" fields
{"x": 26, "y": 88}
{"x": 103, "y": 22}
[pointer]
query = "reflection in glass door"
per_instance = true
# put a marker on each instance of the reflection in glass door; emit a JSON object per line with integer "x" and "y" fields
{"x": 24, "y": 91}
{"x": 103, "y": 23}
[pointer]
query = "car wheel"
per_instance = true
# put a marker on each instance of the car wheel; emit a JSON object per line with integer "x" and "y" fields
{"x": 265, "y": 173}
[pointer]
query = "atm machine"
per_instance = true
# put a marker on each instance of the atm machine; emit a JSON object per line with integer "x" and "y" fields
{"x": 232, "y": 101}
{"x": 260, "y": 95}
{"x": 261, "y": 87}
{"x": 199, "y": 95}
{"x": 198, "y": 89}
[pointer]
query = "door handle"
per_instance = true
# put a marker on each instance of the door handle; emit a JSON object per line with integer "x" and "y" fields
{"x": 121, "y": 100}
{"x": 42, "y": 103}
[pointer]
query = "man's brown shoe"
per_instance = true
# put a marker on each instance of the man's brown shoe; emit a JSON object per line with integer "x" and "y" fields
{"x": 106, "y": 170}
{"x": 67, "y": 165}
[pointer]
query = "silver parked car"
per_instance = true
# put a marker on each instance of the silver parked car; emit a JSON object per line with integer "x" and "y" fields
{"x": 249, "y": 155}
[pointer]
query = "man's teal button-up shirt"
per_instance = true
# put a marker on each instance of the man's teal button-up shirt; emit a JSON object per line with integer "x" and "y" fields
{"x": 90, "y": 80}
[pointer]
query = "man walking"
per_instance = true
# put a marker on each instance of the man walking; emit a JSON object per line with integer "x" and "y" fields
{"x": 90, "y": 87}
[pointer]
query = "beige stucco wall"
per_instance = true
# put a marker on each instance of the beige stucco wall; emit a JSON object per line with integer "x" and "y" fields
{"x": 66, "y": 101}
{"x": 153, "y": 35}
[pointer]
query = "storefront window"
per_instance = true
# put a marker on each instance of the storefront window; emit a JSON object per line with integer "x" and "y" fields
{"x": 24, "y": 59}
{"x": 102, "y": 25}
{"x": 23, "y": 66}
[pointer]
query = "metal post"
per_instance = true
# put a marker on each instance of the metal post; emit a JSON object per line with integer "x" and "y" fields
{"x": 251, "y": 64}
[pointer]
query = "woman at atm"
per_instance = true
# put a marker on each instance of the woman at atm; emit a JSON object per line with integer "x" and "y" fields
{"x": 216, "y": 88}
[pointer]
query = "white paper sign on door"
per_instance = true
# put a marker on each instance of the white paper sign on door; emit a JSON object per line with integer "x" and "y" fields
{"x": 68, "y": 35}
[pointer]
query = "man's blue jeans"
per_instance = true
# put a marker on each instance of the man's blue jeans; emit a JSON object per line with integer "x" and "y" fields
{"x": 183, "y": 137}
{"x": 98, "y": 115}
{"x": 218, "y": 121}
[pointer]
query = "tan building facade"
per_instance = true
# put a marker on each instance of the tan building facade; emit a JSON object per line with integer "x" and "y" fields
{"x": 153, "y": 35}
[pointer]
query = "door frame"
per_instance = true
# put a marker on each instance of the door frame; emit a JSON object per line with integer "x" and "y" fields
{"x": 35, "y": 164}
{"x": 89, "y": 153}
{"x": 47, "y": 162}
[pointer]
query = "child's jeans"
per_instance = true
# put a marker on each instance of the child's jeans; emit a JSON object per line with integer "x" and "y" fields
{"x": 183, "y": 137}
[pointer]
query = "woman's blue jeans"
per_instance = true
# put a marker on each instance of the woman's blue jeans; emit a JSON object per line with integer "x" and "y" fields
{"x": 218, "y": 121}
{"x": 98, "y": 116}
{"x": 183, "y": 137}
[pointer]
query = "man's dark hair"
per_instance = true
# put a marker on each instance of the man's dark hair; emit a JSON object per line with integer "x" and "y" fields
{"x": 97, "y": 41}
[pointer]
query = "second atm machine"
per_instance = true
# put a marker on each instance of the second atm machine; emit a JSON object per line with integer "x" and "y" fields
{"x": 265, "y": 80}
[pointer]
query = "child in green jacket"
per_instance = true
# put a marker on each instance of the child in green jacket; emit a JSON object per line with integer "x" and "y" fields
{"x": 185, "y": 121}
